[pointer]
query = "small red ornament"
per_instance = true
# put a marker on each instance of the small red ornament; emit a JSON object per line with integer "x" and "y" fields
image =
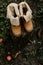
{"x": 1, "y": 40}
{"x": 9, "y": 58}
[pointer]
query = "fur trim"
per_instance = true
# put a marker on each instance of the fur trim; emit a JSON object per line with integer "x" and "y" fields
{"x": 28, "y": 15}
{"x": 15, "y": 21}
{"x": 10, "y": 10}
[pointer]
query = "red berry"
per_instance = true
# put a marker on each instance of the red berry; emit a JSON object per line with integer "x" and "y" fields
{"x": 9, "y": 58}
{"x": 1, "y": 40}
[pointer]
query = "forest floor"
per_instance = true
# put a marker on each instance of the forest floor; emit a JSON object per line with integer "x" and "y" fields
{"x": 32, "y": 53}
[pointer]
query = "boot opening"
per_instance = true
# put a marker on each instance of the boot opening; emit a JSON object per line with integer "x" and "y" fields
{"x": 24, "y": 10}
{"x": 15, "y": 15}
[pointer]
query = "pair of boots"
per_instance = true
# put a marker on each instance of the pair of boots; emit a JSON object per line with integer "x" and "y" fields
{"x": 14, "y": 12}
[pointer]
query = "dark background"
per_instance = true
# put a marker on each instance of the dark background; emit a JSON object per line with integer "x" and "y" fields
{"x": 32, "y": 53}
